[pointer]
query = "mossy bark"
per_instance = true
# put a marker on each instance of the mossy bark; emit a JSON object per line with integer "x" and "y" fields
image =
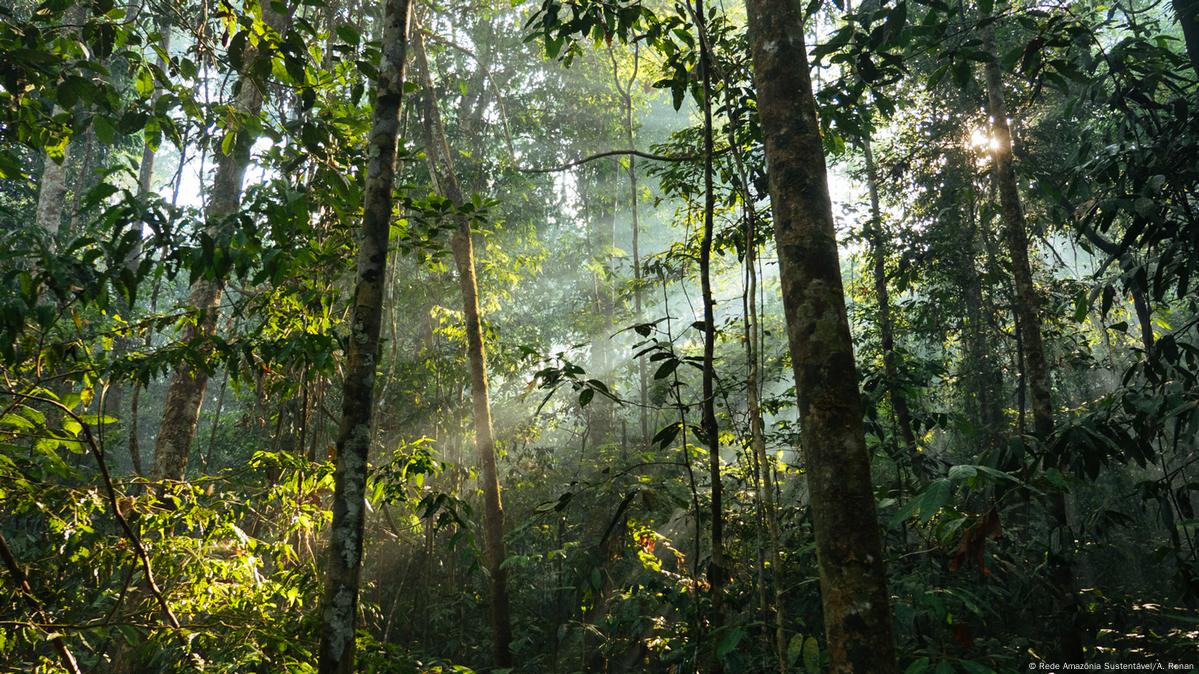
{"x": 853, "y": 584}
{"x": 340, "y": 608}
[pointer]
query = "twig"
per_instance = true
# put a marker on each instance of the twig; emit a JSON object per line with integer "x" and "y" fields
{"x": 110, "y": 491}
{"x": 68, "y": 659}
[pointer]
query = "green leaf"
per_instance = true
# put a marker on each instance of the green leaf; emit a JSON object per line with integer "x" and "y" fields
{"x": 962, "y": 473}
{"x": 729, "y": 642}
{"x": 920, "y": 666}
{"x": 795, "y": 649}
{"x": 105, "y": 131}
{"x": 811, "y": 656}
{"x": 144, "y": 83}
{"x": 10, "y": 168}
{"x": 666, "y": 368}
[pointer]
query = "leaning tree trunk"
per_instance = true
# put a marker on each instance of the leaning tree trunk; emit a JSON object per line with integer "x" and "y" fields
{"x": 1028, "y": 324}
{"x": 181, "y": 411}
{"x": 442, "y": 165}
{"x": 849, "y": 553}
{"x": 354, "y": 434}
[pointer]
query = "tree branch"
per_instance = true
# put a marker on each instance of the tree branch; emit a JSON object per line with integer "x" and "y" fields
{"x": 610, "y": 153}
{"x": 110, "y": 491}
{"x": 24, "y": 589}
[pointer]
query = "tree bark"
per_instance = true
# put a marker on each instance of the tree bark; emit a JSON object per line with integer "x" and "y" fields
{"x": 853, "y": 582}
{"x": 338, "y": 619}
{"x": 52, "y": 195}
{"x": 1028, "y": 323}
{"x": 1187, "y": 12}
{"x": 181, "y": 411}
{"x": 446, "y": 179}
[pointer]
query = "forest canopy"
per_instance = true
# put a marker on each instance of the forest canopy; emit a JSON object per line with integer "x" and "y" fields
{"x": 599, "y": 336}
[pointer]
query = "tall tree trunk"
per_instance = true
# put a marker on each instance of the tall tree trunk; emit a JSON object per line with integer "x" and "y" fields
{"x": 1187, "y": 12}
{"x": 1026, "y": 309}
{"x": 711, "y": 431}
{"x": 354, "y": 433}
{"x": 1028, "y": 322}
{"x": 758, "y": 435}
{"x": 442, "y": 164}
{"x": 145, "y": 184}
{"x": 853, "y": 581}
{"x": 981, "y": 372}
{"x": 181, "y": 411}
{"x": 886, "y": 327}
{"x": 52, "y": 188}
{"x": 626, "y": 93}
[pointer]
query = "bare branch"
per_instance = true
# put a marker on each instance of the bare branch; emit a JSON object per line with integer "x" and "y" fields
{"x": 610, "y": 153}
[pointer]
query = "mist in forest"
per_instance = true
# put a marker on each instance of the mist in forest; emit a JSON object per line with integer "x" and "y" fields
{"x": 602, "y": 336}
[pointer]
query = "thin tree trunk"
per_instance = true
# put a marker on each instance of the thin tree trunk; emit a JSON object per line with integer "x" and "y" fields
{"x": 878, "y": 253}
{"x": 853, "y": 580}
{"x": 757, "y": 436}
{"x": 602, "y": 216}
{"x": 626, "y": 93}
{"x": 463, "y": 249}
{"x": 181, "y": 411}
{"x": 1028, "y": 322}
{"x": 145, "y": 179}
{"x": 984, "y": 380}
{"x": 339, "y": 617}
{"x": 711, "y": 431}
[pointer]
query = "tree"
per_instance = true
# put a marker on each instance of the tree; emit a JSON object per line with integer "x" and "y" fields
{"x": 185, "y": 395}
{"x": 853, "y": 584}
{"x": 494, "y": 553}
{"x": 337, "y": 649}
{"x": 1028, "y": 325}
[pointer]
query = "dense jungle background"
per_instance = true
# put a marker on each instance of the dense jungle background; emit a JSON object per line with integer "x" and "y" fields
{"x": 598, "y": 335}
